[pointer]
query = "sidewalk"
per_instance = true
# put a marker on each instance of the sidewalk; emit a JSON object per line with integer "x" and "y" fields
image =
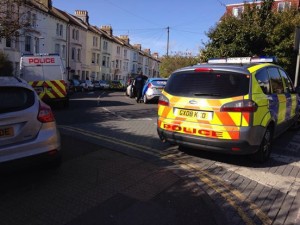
{"x": 128, "y": 190}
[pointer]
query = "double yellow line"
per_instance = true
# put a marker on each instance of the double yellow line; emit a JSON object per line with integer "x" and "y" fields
{"x": 225, "y": 190}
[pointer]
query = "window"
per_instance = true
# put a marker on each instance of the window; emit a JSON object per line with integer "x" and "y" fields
{"x": 27, "y": 43}
{"x": 283, "y": 6}
{"x": 288, "y": 83}
{"x": 61, "y": 30}
{"x": 73, "y": 53}
{"x": 118, "y": 50}
{"x": 125, "y": 53}
{"x": 275, "y": 81}
{"x": 98, "y": 59}
{"x": 57, "y": 29}
{"x": 237, "y": 11}
{"x": 63, "y": 51}
{"x": 104, "y": 61}
{"x": 77, "y": 35}
{"x": 95, "y": 41}
{"x": 262, "y": 78}
{"x": 57, "y": 48}
{"x": 8, "y": 43}
{"x": 93, "y": 57}
{"x": 78, "y": 55}
{"x": 37, "y": 45}
{"x": 105, "y": 44}
{"x": 33, "y": 24}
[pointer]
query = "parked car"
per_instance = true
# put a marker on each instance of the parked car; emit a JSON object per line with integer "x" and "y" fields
{"x": 130, "y": 89}
{"x": 234, "y": 106}
{"x": 74, "y": 86}
{"x": 104, "y": 84}
{"x": 153, "y": 88}
{"x": 27, "y": 124}
{"x": 116, "y": 85}
{"x": 87, "y": 85}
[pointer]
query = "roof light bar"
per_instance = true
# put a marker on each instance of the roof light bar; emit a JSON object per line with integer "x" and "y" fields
{"x": 244, "y": 60}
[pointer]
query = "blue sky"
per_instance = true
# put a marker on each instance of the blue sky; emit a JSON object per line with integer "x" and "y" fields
{"x": 146, "y": 21}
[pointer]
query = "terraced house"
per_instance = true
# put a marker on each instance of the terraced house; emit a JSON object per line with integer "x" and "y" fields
{"x": 88, "y": 51}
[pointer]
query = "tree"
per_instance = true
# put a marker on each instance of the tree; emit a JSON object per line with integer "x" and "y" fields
{"x": 6, "y": 66}
{"x": 179, "y": 60}
{"x": 258, "y": 31}
{"x": 12, "y": 18}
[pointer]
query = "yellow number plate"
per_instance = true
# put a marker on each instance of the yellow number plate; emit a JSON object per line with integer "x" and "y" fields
{"x": 6, "y": 132}
{"x": 200, "y": 115}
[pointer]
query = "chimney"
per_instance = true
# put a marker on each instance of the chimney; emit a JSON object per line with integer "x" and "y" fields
{"x": 138, "y": 46}
{"x": 107, "y": 29}
{"x": 125, "y": 38}
{"x": 155, "y": 55}
{"x": 147, "y": 50}
{"x": 83, "y": 15}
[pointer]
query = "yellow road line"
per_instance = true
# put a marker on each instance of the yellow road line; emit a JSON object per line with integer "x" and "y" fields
{"x": 205, "y": 177}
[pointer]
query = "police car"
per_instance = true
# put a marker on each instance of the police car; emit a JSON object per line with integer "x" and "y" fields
{"x": 232, "y": 105}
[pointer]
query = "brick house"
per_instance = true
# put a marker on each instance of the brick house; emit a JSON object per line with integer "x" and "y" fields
{"x": 278, "y": 5}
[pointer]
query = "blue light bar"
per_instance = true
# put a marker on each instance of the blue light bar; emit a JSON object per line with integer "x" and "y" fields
{"x": 243, "y": 60}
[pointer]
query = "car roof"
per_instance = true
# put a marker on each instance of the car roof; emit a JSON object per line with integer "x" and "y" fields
{"x": 6, "y": 81}
{"x": 239, "y": 68}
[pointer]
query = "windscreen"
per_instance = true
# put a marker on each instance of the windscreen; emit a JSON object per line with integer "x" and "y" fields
{"x": 208, "y": 84}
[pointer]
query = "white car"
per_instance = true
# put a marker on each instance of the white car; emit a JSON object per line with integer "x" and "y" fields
{"x": 27, "y": 124}
{"x": 87, "y": 85}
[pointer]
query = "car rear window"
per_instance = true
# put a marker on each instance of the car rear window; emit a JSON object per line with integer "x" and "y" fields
{"x": 15, "y": 99}
{"x": 208, "y": 84}
{"x": 160, "y": 83}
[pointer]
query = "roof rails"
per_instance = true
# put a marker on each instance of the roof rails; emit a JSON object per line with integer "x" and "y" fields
{"x": 244, "y": 60}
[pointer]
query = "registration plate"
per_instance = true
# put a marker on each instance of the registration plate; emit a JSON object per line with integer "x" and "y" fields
{"x": 6, "y": 132}
{"x": 200, "y": 115}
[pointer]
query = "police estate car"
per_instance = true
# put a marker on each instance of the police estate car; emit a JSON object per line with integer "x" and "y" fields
{"x": 233, "y": 105}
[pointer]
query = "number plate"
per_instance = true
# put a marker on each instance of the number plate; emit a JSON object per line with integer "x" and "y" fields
{"x": 6, "y": 132}
{"x": 200, "y": 115}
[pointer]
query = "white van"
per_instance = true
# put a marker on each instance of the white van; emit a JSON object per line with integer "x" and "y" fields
{"x": 46, "y": 73}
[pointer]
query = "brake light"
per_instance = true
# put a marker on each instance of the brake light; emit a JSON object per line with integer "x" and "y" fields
{"x": 203, "y": 70}
{"x": 150, "y": 85}
{"x": 240, "y": 106}
{"x": 163, "y": 100}
{"x": 45, "y": 114}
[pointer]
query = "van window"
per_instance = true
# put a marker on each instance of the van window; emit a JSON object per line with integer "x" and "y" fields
{"x": 209, "y": 84}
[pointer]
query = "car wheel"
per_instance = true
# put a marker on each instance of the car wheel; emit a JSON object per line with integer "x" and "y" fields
{"x": 145, "y": 99}
{"x": 264, "y": 151}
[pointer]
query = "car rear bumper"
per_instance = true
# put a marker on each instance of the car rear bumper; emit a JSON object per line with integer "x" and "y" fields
{"x": 47, "y": 142}
{"x": 239, "y": 147}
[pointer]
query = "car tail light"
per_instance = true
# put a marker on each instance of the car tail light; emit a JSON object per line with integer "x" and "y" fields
{"x": 163, "y": 100}
{"x": 203, "y": 70}
{"x": 45, "y": 114}
{"x": 150, "y": 85}
{"x": 239, "y": 106}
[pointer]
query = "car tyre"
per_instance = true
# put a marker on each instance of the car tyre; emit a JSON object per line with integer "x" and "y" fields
{"x": 296, "y": 124}
{"x": 264, "y": 151}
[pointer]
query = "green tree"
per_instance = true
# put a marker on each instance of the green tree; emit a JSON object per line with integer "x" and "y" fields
{"x": 173, "y": 62}
{"x": 6, "y": 66}
{"x": 258, "y": 31}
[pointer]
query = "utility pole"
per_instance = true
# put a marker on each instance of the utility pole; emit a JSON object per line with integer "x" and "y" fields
{"x": 168, "y": 30}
